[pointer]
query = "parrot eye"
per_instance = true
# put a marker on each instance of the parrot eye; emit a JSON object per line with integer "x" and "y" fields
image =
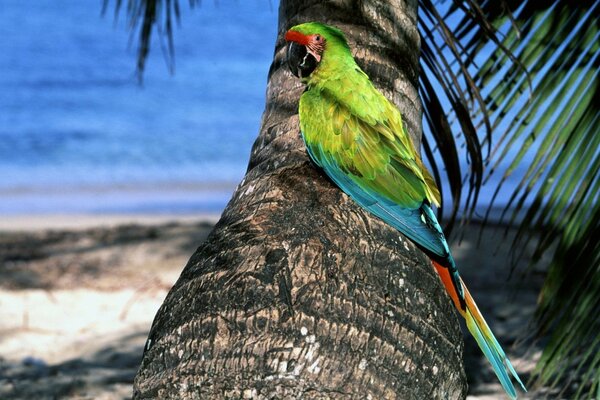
{"x": 318, "y": 38}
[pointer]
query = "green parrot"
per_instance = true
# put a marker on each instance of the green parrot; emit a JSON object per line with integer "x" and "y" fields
{"x": 356, "y": 136}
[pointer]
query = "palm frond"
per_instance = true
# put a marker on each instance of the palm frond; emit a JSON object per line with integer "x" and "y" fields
{"x": 143, "y": 16}
{"x": 546, "y": 145}
{"x": 447, "y": 83}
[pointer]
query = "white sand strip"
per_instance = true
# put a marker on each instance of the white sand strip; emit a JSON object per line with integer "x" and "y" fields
{"x": 36, "y": 222}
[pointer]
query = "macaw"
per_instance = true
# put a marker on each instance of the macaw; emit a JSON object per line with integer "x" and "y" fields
{"x": 356, "y": 136}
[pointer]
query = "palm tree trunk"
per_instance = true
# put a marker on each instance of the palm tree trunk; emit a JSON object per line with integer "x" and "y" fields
{"x": 297, "y": 292}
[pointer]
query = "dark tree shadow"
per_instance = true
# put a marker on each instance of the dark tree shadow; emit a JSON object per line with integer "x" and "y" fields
{"x": 68, "y": 259}
{"x": 108, "y": 371}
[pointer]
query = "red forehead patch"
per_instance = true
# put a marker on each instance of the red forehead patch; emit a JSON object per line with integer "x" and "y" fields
{"x": 293, "y": 36}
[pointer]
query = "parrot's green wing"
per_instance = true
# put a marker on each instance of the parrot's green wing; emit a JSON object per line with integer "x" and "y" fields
{"x": 367, "y": 153}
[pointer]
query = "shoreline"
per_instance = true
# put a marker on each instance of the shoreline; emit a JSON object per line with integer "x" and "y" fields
{"x": 135, "y": 199}
{"x": 83, "y": 221}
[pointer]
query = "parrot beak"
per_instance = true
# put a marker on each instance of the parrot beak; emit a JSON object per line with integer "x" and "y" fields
{"x": 301, "y": 62}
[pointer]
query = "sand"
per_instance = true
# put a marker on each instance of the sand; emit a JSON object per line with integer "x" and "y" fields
{"x": 78, "y": 295}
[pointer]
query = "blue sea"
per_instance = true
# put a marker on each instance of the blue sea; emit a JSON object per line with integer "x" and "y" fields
{"x": 79, "y": 134}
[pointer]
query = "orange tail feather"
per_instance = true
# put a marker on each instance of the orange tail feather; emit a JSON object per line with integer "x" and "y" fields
{"x": 444, "y": 274}
{"x": 481, "y": 332}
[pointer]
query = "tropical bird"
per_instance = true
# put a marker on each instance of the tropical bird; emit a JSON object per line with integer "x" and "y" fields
{"x": 355, "y": 134}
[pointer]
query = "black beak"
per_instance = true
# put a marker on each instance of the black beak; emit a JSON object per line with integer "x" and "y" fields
{"x": 300, "y": 61}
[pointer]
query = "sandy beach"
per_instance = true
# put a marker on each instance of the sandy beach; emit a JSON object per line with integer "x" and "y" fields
{"x": 78, "y": 295}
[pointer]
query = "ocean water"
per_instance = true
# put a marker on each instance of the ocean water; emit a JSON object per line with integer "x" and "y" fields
{"x": 79, "y": 134}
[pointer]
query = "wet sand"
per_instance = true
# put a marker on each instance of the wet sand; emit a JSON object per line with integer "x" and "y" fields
{"x": 78, "y": 295}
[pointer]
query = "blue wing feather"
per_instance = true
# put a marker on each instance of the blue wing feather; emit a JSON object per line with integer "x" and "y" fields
{"x": 408, "y": 221}
{"x": 419, "y": 224}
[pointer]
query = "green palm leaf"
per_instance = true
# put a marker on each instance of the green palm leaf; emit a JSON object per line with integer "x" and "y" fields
{"x": 547, "y": 119}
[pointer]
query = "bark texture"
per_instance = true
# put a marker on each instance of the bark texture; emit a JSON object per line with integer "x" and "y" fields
{"x": 298, "y": 293}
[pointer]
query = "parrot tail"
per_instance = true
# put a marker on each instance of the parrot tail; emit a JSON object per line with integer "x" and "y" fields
{"x": 481, "y": 332}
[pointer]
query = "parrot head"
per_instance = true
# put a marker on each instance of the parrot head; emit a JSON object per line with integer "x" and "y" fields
{"x": 312, "y": 46}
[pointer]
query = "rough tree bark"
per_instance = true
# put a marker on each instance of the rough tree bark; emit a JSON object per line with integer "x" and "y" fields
{"x": 297, "y": 292}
